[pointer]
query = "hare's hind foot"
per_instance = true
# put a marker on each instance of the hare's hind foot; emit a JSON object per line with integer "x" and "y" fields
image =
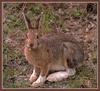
{"x": 40, "y": 81}
{"x": 58, "y": 76}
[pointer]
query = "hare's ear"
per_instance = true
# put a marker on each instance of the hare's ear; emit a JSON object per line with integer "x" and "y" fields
{"x": 38, "y": 21}
{"x": 26, "y": 19}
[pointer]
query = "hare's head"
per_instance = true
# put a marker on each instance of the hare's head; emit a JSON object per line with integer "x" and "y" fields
{"x": 32, "y": 39}
{"x": 33, "y": 32}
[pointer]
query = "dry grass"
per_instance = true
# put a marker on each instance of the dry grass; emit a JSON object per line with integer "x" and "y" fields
{"x": 69, "y": 18}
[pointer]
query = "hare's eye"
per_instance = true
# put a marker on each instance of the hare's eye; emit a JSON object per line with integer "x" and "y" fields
{"x": 37, "y": 36}
{"x": 26, "y": 35}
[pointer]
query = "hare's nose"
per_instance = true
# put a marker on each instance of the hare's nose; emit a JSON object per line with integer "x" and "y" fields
{"x": 31, "y": 45}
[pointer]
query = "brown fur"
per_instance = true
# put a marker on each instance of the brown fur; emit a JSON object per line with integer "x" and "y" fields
{"x": 54, "y": 51}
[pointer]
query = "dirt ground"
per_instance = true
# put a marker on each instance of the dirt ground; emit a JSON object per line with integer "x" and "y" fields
{"x": 72, "y": 18}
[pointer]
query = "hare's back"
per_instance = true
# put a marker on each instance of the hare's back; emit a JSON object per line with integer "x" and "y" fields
{"x": 54, "y": 42}
{"x": 56, "y": 39}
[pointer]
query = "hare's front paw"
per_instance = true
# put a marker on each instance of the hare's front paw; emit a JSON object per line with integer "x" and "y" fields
{"x": 33, "y": 78}
{"x": 57, "y": 76}
{"x": 39, "y": 81}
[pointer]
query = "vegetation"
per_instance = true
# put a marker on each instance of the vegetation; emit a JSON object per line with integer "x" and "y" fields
{"x": 72, "y": 18}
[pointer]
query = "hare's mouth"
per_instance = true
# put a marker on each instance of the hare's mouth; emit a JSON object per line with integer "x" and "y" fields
{"x": 31, "y": 47}
{"x": 28, "y": 46}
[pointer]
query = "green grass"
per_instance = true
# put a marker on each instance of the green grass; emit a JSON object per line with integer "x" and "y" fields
{"x": 85, "y": 76}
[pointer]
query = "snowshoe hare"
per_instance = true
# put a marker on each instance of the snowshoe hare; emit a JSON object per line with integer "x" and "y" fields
{"x": 57, "y": 52}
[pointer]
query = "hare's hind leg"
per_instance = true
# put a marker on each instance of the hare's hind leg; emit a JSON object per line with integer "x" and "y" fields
{"x": 35, "y": 74}
{"x": 58, "y": 76}
{"x": 42, "y": 77}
